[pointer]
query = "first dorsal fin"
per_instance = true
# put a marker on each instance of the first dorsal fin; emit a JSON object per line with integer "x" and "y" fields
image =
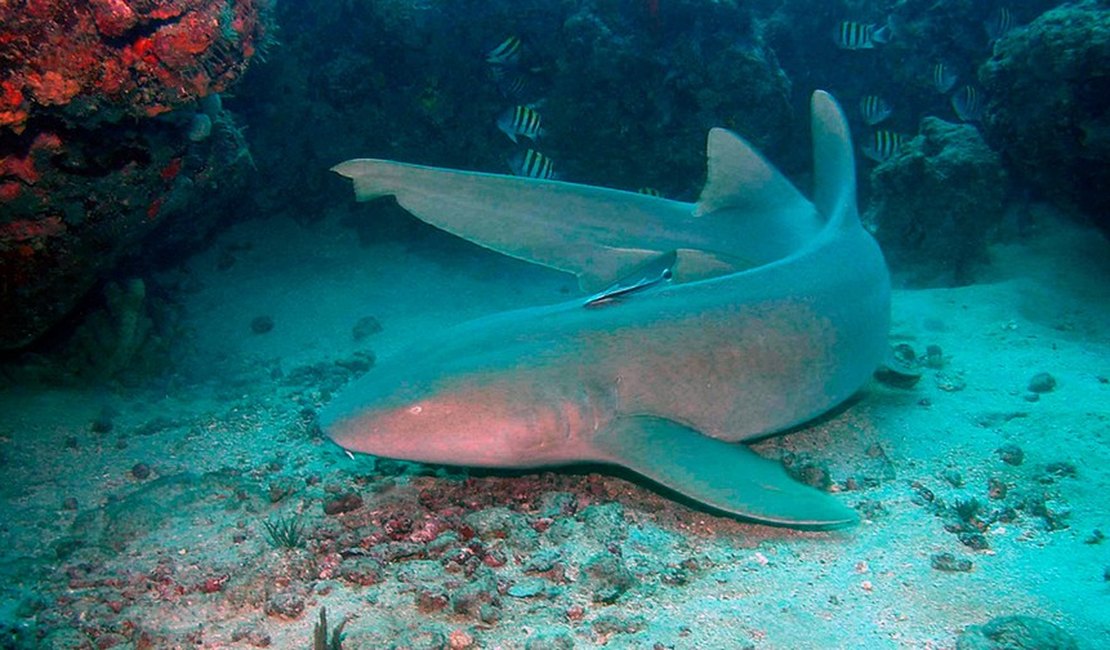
{"x": 738, "y": 177}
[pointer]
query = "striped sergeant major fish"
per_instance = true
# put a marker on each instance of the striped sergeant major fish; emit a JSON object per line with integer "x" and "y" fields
{"x": 521, "y": 121}
{"x": 882, "y": 145}
{"x": 507, "y": 52}
{"x": 968, "y": 104}
{"x": 1001, "y": 21}
{"x": 532, "y": 164}
{"x": 944, "y": 78}
{"x": 851, "y": 35}
{"x": 874, "y": 109}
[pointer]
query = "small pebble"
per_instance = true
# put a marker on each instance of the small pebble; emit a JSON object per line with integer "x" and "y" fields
{"x": 973, "y": 540}
{"x": 345, "y": 503}
{"x": 102, "y": 424}
{"x": 996, "y": 488}
{"x": 365, "y": 327}
{"x": 70, "y": 503}
{"x": 1011, "y": 454}
{"x": 934, "y": 357}
{"x": 949, "y": 562}
{"x": 262, "y": 324}
{"x": 140, "y": 470}
{"x": 1042, "y": 382}
{"x": 950, "y": 383}
{"x": 287, "y": 604}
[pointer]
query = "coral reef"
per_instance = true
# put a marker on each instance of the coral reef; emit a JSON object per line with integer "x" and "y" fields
{"x": 936, "y": 200}
{"x": 1047, "y": 113}
{"x": 86, "y": 170}
{"x": 105, "y": 59}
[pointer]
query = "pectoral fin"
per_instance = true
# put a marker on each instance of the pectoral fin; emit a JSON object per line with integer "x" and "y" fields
{"x": 726, "y": 476}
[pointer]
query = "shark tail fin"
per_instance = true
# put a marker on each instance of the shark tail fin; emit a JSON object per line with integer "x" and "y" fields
{"x": 834, "y": 164}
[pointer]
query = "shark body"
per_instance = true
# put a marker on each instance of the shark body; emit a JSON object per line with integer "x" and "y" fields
{"x": 747, "y": 313}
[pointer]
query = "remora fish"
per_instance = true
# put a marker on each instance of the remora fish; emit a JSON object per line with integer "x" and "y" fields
{"x": 774, "y": 311}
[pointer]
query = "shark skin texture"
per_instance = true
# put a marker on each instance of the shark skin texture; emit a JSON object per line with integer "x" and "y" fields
{"x": 747, "y": 313}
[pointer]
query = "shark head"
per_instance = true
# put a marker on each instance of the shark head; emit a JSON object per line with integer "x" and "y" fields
{"x": 476, "y": 415}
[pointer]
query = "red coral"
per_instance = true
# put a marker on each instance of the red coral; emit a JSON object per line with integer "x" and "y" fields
{"x": 31, "y": 231}
{"x": 51, "y": 88}
{"x": 113, "y": 17}
{"x": 47, "y": 140}
{"x": 170, "y": 171}
{"x": 22, "y": 167}
{"x": 10, "y": 191}
{"x": 63, "y": 51}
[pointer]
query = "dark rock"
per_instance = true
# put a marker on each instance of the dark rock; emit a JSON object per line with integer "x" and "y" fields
{"x": 140, "y": 471}
{"x": 262, "y": 324}
{"x": 973, "y": 540}
{"x": 280, "y": 488}
{"x": 358, "y": 363}
{"x": 1011, "y": 454}
{"x": 1042, "y": 382}
{"x": 431, "y": 598}
{"x": 1060, "y": 469}
{"x": 366, "y": 326}
{"x": 345, "y": 503}
{"x": 997, "y": 488}
{"x": 251, "y": 634}
{"x": 1047, "y": 110}
{"x": 479, "y": 599}
{"x": 607, "y": 577}
{"x": 70, "y": 503}
{"x": 1016, "y": 633}
{"x": 364, "y": 571}
{"x": 954, "y": 478}
{"x": 936, "y": 200}
{"x": 949, "y": 562}
{"x": 287, "y": 604}
{"x": 934, "y": 357}
{"x": 103, "y": 422}
{"x": 806, "y": 469}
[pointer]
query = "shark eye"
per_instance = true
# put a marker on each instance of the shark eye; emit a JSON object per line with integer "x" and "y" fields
{"x": 416, "y": 410}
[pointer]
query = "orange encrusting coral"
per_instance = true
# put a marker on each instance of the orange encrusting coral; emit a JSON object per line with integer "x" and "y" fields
{"x": 120, "y": 54}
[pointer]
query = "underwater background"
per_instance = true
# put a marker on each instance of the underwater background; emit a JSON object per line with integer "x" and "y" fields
{"x": 184, "y": 284}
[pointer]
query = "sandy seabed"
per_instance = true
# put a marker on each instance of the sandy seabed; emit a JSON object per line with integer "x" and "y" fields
{"x": 150, "y": 534}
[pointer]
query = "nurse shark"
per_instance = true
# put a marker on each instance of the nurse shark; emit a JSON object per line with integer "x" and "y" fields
{"x": 701, "y": 325}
